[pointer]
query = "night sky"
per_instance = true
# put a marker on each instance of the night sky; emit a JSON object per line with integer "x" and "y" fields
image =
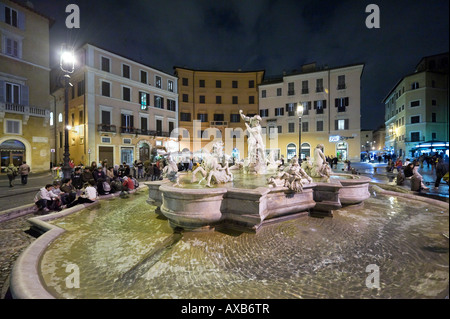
{"x": 269, "y": 35}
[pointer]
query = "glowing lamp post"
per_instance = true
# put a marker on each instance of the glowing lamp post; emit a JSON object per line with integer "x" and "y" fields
{"x": 299, "y": 114}
{"x": 67, "y": 64}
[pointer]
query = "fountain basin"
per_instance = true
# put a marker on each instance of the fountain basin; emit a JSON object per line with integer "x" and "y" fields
{"x": 355, "y": 189}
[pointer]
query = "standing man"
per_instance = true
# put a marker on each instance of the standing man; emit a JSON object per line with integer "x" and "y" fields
{"x": 11, "y": 171}
{"x": 24, "y": 170}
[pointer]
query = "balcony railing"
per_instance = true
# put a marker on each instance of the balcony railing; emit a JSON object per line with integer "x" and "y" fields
{"x": 341, "y": 87}
{"x": 25, "y": 110}
{"x": 128, "y": 130}
{"x": 106, "y": 128}
{"x": 219, "y": 123}
{"x": 305, "y": 91}
{"x": 291, "y": 92}
{"x": 319, "y": 89}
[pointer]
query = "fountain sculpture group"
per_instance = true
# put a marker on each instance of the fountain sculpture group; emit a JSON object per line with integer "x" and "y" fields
{"x": 288, "y": 192}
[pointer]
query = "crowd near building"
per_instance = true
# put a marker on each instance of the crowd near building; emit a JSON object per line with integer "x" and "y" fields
{"x": 123, "y": 111}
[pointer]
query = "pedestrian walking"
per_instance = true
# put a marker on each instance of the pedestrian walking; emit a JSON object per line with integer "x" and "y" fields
{"x": 24, "y": 170}
{"x": 441, "y": 170}
{"x": 12, "y": 172}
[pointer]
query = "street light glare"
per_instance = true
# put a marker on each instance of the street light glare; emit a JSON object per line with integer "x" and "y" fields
{"x": 68, "y": 57}
{"x": 300, "y": 109}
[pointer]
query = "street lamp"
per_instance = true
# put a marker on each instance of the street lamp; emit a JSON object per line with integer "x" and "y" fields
{"x": 299, "y": 114}
{"x": 67, "y": 64}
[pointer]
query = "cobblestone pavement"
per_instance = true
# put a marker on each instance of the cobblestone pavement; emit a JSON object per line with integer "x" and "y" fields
{"x": 15, "y": 234}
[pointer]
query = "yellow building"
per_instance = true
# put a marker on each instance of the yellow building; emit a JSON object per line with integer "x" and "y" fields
{"x": 119, "y": 110}
{"x": 209, "y": 107}
{"x": 24, "y": 86}
{"x": 331, "y": 101}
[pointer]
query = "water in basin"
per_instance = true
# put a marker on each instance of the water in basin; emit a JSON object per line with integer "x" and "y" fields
{"x": 124, "y": 250}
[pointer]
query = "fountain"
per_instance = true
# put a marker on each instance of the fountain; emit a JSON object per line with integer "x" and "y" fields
{"x": 284, "y": 194}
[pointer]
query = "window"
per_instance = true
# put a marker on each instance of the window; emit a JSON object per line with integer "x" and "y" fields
{"x": 170, "y": 85}
{"x": 12, "y": 47}
{"x": 341, "y": 125}
{"x": 106, "y": 64}
{"x": 251, "y": 84}
{"x": 341, "y": 104}
{"x": 202, "y": 117}
{"x": 185, "y": 117}
{"x": 433, "y": 135}
{"x": 415, "y": 103}
{"x": 319, "y": 85}
{"x": 306, "y": 107}
{"x": 72, "y": 117}
{"x": 80, "y": 117}
{"x": 320, "y": 105}
{"x": 127, "y": 123}
{"x": 305, "y": 89}
{"x": 126, "y": 71}
{"x": 185, "y": 81}
{"x": 158, "y": 127}
{"x": 235, "y": 118}
{"x": 264, "y": 112}
{"x": 235, "y": 99}
{"x": 80, "y": 87}
{"x": 52, "y": 120}
{"x": 305, "y": 126}
{"x": 279, "y": 111}
{"x": 291, "y": 127}
{"x": 126, "y": 93}
{"x": 279, "y": 91}
{"x": 433, "y": 117}
{"x": 185, "y": 98}
{"x": 219, "y": 117}
{"x": 415, "y": 119}
{"x": 251, "y": 99}
{"x": 159, "y": 102}
{"x": 280, "y": 129}
{"x": 433, "y": 102}
{"x": 341, "y": 82}
{"x": 106, "y": 140}
{"x": 234, "y": 84}
{"x": 13, "y": 126}
{"x": 202, "y": 99}
{"x": 12, "y": 93}
{"x": 144, "y": 124}
{"x": 158, "y": 82}
{"x": 106, "y": 88}
{"x": 144, "y": 100}
{"x": 291, "y": 90}
{"x": 263, "y": 93}
{"x": 171, "y": 126}
{"x": 201, "y": 83}
{"x": 218, "y": 99}
{"x": 291, "y": 109}
{"x": 106, "y": 117}
{"x": 319, "y": 126}
{"x": 218, "y": 83}
{"x": 143, "y": 77}
{"x": 11, "y": 17}
{"x": 415, "y": 136}
{"x": 171, "y": 105}
{"x": 414, "y": 85}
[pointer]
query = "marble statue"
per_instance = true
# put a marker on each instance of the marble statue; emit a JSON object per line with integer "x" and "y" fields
{"x": 170, "y": 170}
{"x": 256, "y": 161}
{"x": 293, "y": 177}
{"x": 320, "y": 167}
{"x": 211, "y": 168}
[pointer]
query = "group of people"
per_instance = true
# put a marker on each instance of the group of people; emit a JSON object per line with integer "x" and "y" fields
{"x": 85, "y": 186}
{"x": 409, "y": 170}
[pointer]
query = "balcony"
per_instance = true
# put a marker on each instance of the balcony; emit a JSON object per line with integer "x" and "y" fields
{"x": 128, "y": 130}
{"x": 151, "y": 133}
{"x": 24, "y": 110}
{"x": 106, "y": 128}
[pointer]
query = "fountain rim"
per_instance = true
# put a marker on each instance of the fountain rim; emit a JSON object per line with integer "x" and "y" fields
{"x": 25, "y": 281}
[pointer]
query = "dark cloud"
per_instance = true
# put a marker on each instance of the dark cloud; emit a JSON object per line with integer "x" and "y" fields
{"x": 266, "y": 34}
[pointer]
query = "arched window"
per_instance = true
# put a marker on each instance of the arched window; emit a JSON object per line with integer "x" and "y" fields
{"x": 60, "y": 118}
{"x": 291, "y": 150}
{"x": 306, "y": 150}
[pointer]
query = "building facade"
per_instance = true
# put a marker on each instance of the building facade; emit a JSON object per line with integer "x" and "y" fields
{"x": 209, "y": 108}
{"x": 24, "y": 86}
{"x": 416, "y": 109}
{"x": 331, "y": 112}
{"x": 119, "y": 110}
